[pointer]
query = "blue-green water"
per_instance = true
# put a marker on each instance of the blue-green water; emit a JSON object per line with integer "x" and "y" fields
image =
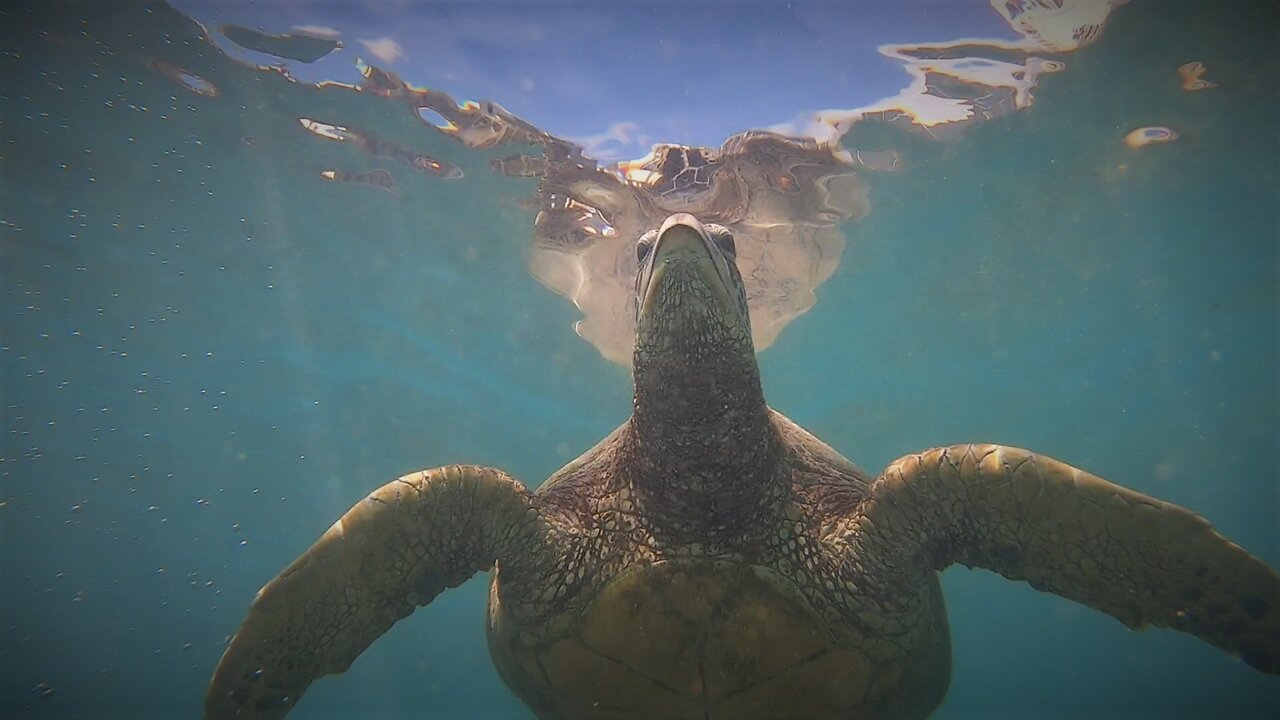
{"x": 209, "y": 353}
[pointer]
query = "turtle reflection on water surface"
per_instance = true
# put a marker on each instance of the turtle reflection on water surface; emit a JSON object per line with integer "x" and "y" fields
{"x": 711, "y": 559}
{"x": 784, "y": 199}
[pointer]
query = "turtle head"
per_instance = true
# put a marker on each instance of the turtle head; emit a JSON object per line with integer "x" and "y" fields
{"x": 690, "y": 301}
{"x": 706, "y": 452}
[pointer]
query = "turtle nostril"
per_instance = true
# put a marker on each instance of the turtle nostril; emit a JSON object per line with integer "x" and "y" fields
{"x": 723, "y": 239}
{"x": 645, "y": 244}
{"x": 726, "y": 244}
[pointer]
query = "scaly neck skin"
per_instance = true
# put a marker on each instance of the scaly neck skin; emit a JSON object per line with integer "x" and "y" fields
{"x": 707, "y": 456}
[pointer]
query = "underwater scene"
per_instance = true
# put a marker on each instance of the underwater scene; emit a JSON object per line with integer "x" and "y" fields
{"x": 259, "y": 260}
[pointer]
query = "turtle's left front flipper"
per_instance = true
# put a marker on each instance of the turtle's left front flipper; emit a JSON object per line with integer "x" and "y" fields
{"x": 1029, "y": 517}
{"x": 394, "y": 551}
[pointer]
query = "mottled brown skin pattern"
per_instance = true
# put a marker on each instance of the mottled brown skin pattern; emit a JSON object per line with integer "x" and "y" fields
{"x": 711, "y": 559}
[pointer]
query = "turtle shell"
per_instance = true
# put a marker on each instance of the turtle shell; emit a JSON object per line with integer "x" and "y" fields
{"x": 697, "y": 640}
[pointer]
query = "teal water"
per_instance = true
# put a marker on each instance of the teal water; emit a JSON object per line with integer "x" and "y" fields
{"x": 208, "y": 353}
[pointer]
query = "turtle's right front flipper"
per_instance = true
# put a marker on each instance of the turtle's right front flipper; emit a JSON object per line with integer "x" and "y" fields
{"x": 1029, "y": 517}
{"x": 394, "y": 551}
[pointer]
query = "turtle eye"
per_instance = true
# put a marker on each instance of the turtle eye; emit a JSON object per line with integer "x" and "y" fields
{"x": 723, "y": 239}
{"x": 645, "y": 244}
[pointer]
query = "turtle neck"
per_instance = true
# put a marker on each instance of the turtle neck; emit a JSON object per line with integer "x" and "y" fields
{"x": 707, "y": 456}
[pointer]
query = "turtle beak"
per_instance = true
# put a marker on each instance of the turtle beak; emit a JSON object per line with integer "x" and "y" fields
{"x": 684, "y": 266}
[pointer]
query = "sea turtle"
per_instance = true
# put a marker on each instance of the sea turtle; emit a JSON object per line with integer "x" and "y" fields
{"x": 711, "y": 559}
